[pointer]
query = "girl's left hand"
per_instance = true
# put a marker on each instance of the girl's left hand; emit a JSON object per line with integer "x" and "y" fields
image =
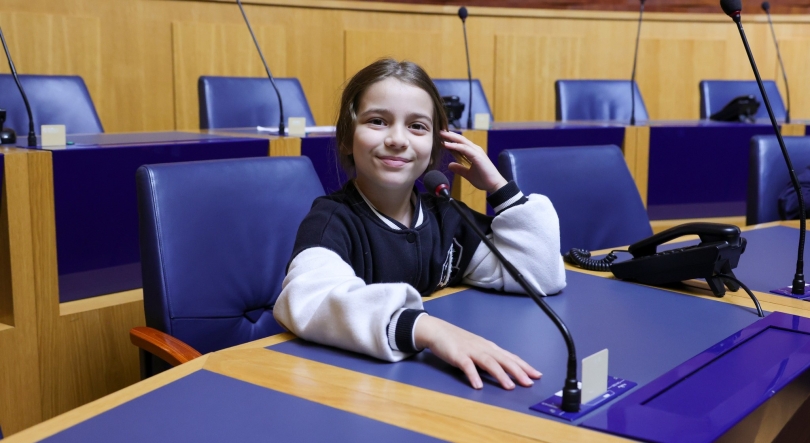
{"x": 482, "y": 173}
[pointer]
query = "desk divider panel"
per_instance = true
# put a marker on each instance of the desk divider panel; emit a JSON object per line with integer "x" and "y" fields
{"x": 20, "y": 393}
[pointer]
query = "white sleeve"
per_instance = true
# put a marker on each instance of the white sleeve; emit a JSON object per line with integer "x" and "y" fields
{"x": 528, "y": 235}
{"x": 322, "y": 300}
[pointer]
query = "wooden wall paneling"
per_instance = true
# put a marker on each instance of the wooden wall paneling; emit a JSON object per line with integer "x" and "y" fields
{"x": 20, "y": 402}
{"x": 365, "y": 46}
{"x": 55, "y": 45}
{"x": 223, "y": 50}
{"x": 796, "y": 56}
{"x": 668, "y": 76}
{"x": 315, "y": 56}
{"x": 83, "y": 355}
{"x": 524, "y": 82}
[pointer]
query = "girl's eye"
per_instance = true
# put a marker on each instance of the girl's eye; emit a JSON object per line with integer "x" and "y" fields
{"x": 419, "y": 127}
{"x": 376, "y": 121}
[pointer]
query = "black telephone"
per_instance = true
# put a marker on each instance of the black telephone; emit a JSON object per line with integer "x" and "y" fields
{"x": 739, "y": 109}
{"x": 453, "y": 107}
{"x": 717, "y": 254}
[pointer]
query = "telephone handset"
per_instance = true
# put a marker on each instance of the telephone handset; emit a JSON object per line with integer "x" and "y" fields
{"x": 716, "y": 255}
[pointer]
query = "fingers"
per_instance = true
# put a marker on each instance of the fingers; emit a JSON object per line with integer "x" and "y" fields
{"x": 495, "y": 369}
{"x": 469, "y": 369}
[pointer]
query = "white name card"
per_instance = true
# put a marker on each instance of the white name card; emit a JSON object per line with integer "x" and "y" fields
{"x": 53, "y": 135}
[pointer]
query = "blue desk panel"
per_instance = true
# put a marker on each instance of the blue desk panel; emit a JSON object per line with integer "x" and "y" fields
{"x": 322, "y": 151}
{"x": 648, "y": 332}
{"x": 96, "y": 208}
{"x": 550, "y": 134}
{"x": 699, "y": 168}
{"x": 206, "y": 406}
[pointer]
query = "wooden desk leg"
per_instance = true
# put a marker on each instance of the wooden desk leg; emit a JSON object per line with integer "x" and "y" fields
{"x": 636, "y": 150}
{"x": 20, "y": 395}
{"x": 463, "y": 190}
{"x": 285, "y": 147}
{"x": 794, "y": 129}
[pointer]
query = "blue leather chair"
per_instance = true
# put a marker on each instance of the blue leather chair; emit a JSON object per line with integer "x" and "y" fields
{"x": 715, "y": 94}
{"x": 601, "y": 100}
{"x": 54, "y": 100}
{"x": 240, "y": 102}
{"x": 461, "y": 88}
{"x": 768, "y": 174}
{"x": 591, "y": 188}
{"x": 216, "y": 237}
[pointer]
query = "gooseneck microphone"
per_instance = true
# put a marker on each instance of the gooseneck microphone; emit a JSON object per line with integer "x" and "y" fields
{"x": 633, "y": 75}
{"x": 32, "y": 136}
{"x": 462, "y": 14}
{"x": 732, "y": 8}
{"x": 437, "y": 183}
{"x": 766, "y": 6}
{"x": 266, "y": 68}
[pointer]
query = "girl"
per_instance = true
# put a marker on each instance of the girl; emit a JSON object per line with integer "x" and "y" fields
{"x": 365, "y": 255}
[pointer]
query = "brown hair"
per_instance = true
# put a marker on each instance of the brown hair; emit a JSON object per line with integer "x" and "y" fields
{"x": 404, "y": 71}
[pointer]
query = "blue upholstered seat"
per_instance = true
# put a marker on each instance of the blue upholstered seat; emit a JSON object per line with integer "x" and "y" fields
{"x": 54, "y": 99}
{"x": 241, "y": 102}
{"x": 768, "y": 174}
{"x": 590, "y": 187}
{"x": 461, "y": 88}
{"x": 715, "y": 94}
{"x": 601, "y": 100}
{"x": 216, "y": 237}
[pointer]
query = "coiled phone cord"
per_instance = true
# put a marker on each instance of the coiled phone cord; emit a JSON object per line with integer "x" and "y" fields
{"x": 582, "y": 258}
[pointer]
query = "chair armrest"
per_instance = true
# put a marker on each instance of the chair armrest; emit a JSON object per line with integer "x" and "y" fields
{"x": 167, "y": 348}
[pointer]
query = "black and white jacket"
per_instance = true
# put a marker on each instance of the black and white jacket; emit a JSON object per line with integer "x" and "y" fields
{"x": 356, "y": 276}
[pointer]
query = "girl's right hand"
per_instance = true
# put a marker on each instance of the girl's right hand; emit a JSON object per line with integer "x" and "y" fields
{"x": 468, "y": 351}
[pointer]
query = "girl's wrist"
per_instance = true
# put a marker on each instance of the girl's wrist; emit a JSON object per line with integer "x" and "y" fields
{"x": 498, "y": 186}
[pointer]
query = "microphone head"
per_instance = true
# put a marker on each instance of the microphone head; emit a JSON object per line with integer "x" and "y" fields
{"x": 766, "y": 6}
{"x": 462, "y": 13}
{"x": 435, "y": 182}
{"x": 732, "y": 8}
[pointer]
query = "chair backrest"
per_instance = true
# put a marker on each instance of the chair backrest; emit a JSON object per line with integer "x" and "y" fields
{"x": 54, "y": 100}
{"x": 590, "y": 187}
{"x": 241, "y": 102}
{"x": 461, "y": 88}
{"x": 716, "y": 94}
{"x": 216, "y": 237}
{"x": 601, "y": 100}
{"x": 768, "y": 174}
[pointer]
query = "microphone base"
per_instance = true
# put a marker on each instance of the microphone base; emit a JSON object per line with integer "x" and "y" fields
{"x": 798, "y": 287}
{"x": 8, "y": 136}
{"x": 571, "y": 396}
{"x": 616, "y": 387}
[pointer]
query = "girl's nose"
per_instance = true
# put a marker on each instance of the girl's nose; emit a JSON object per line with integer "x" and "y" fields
{"x": 397, "y": 138}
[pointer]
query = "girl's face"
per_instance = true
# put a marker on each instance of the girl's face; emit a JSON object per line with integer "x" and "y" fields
{"x": 393, "y": 136}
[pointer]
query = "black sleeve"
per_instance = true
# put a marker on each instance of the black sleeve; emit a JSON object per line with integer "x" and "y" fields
{"x": 325, "y": 226}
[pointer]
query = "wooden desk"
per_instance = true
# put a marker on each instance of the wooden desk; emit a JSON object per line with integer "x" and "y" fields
{"x": 466, "y": 415}
{"x": 70, "y": 278}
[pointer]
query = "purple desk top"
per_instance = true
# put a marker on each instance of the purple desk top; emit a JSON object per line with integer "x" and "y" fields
{"x": 648, "y": 331}
{"x": 206, "y": 406}
{"x": 96, "y": 208}
{"x": 707, "y": 395}
{"x": 104, "y": 139}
